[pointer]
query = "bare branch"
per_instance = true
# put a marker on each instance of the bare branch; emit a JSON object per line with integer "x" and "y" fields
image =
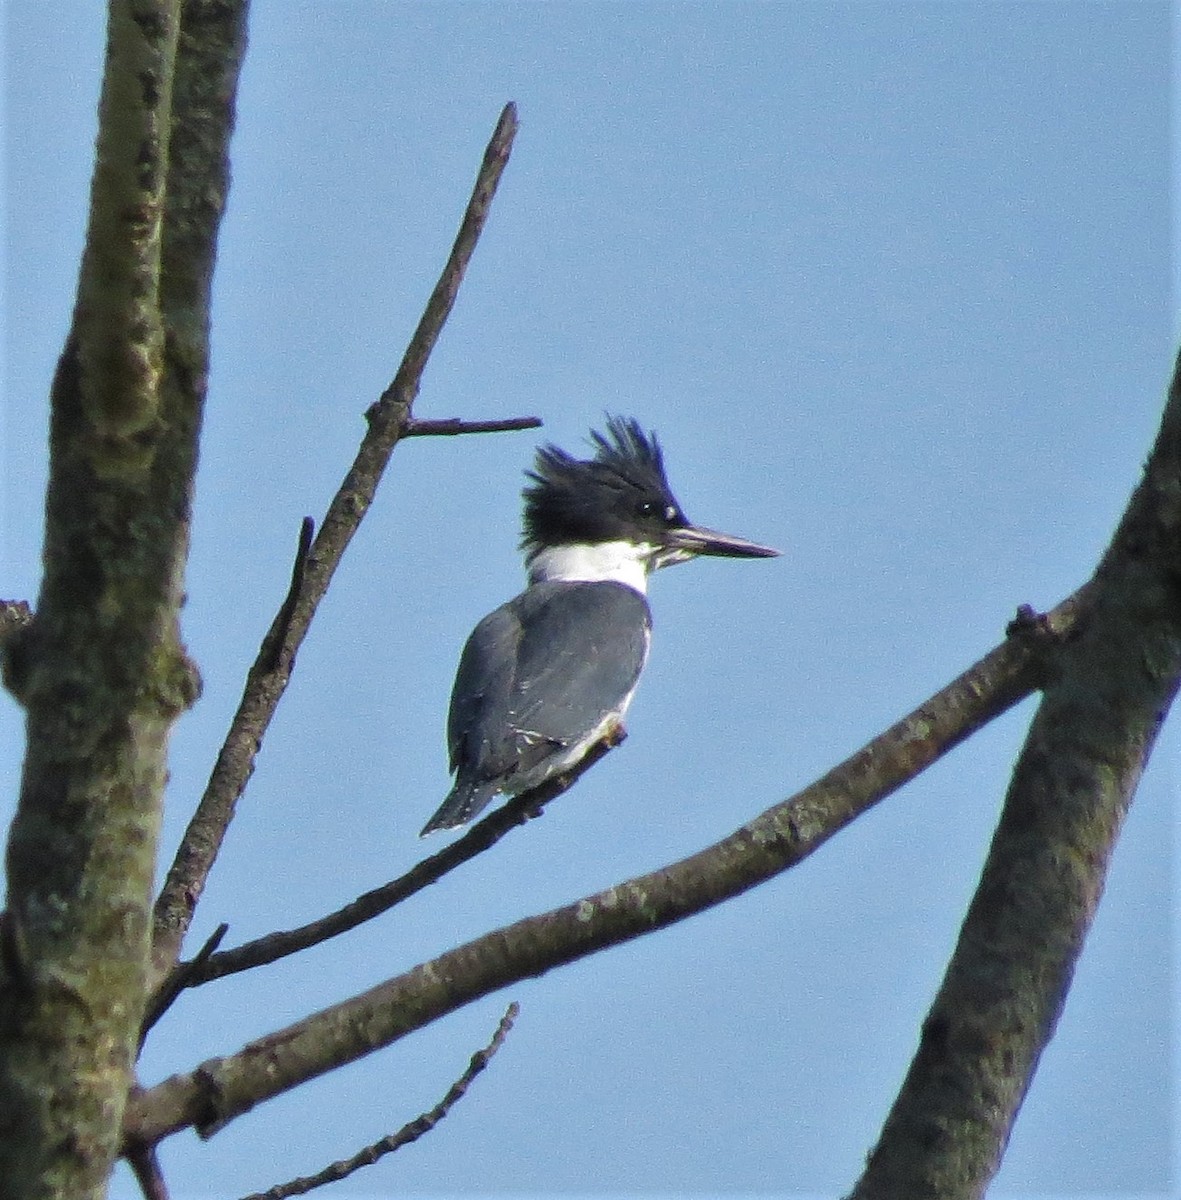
{"x": 145, "y": 1164}
{"x": 479, "y": 838}
{"x": 784, "y": 835}
{"x": 265, "y": 686}
{"x": 102, "y": 676}
{"x": 1084, "y": 754}
{"x": 979, "y": 688}
{"x": 410, "y": 1132}
{"x": 395, "y": 403}
{"x": 117, "y": 333}
{"x": 270, "y": 655}
{"x": 450, "y": 426}
{"x": 178, "y": 980}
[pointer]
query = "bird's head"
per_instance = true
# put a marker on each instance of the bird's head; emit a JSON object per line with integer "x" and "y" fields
{"x": 621, "y": 497}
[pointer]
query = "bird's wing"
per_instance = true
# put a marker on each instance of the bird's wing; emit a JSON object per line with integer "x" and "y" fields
{"x": 558, "y": 659}
{"x": 581, "y": 653}
{"x": 483, "y": 680}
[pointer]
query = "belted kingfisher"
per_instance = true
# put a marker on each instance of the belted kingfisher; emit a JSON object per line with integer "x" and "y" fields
{"x": 550, "y": 673}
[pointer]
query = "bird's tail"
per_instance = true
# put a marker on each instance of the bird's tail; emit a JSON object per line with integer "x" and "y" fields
{"x": 462, "y": 804}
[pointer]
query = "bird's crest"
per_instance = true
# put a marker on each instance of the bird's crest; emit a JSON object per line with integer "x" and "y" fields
{"x": 576, "y": 500}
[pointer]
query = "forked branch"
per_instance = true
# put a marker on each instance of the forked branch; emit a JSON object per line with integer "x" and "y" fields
{"x": 268, "y": 678}
{"x": 482, "y": 836}
{"x": 1071, "y": 788}
{"x": 222, "y": 1088}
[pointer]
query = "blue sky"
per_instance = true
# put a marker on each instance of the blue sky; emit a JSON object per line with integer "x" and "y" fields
{"x": 892, "y": 282}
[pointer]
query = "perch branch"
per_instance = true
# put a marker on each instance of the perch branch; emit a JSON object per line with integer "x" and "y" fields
{"x": 977, "y": 695}
{"x": 222, "y": 1088}
{"x": 974, "y": 699}
{"x": 410, "y": 1132}
{"x": 264, "y": 688}
{"x": 480, "y": 837}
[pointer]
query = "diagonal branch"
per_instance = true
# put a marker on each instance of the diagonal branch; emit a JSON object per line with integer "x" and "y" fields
{"x": 222, "y": 1088}
{"x": 145, "y": 1165}
{"x": 1086, "y": 748}
{"x": 971, "y": 701}
{"x": 267, "y": 682}
{"x": 410, "y": 1132}
{"x": 180, "y": 978}
{"x": 481, "y": 837}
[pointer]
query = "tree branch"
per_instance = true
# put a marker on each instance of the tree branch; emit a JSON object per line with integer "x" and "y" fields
{"x": 410, "y": 1132}
{"x": 222, "y": 1088}
{"x": 101, "y": 673}
{"x": 117, "y": 334}
{"x": 1086, "y": 748}
{"x": 145, "y": 1165}
{"x": 450, "y": 426}
{"x": 270, "y": 654}
{"x": 265, "y": 687}
{"x": 180, "y": 978}
{"x": 483, "y": 835}
{"x": 976, "y": 699}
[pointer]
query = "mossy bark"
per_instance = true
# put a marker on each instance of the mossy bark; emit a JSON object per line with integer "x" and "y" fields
{"x": 100, "y": 670}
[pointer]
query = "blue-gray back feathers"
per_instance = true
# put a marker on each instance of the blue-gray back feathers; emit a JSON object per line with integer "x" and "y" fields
{"x": 539, "y": 680}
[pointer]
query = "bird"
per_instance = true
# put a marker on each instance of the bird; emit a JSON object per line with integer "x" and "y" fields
{"x": 550, "y": 673}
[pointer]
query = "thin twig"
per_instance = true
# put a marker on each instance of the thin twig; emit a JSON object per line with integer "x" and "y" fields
{"x": 783, "y": 836}
{"x": 975, "y": 698}
{"x": 451, "y": 426}
{"x": 145, "y": 1164}
{"x": 264, "y": 688}
{"x": 271, "y": 655}
{"x": 408, "y": 1133}
{"x": 178, "y": 980}
{"x": 480, "y": 837}
{"x": 396, "y": 399}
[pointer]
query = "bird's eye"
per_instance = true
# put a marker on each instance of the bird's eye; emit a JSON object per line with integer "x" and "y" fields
{"x": 668, "y": 513}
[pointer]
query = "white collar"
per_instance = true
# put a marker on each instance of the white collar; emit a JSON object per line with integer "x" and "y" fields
{"x": 582, "y": 562}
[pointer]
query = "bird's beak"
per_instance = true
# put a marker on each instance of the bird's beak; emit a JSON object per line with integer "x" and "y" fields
{"x": 692, "y": 540}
